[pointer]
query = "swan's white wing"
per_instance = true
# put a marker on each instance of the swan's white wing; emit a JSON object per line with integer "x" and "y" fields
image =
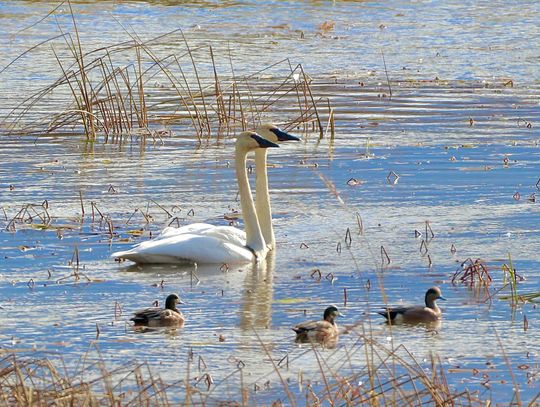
{"x": 187, "y": 248}
{"x": 226, "y": 233}
{"x": 194, "y": 228}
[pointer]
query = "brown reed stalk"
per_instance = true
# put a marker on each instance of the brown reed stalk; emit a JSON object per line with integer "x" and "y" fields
{"x": 198, "y": 82}
{"x": 143, "y": 118}
{"x": 252, "y": 104}
{"x": 84, "y": 84}
{"x": 290, "y": 396}
{"x": 310, "y": 95}
{"x": 221, "y": 111}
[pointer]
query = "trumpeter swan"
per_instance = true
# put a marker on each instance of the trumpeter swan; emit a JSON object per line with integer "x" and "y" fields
{"x": 262, "y": 198}
{"x": 262, "y": 195}
{"x": 202, "y": 244}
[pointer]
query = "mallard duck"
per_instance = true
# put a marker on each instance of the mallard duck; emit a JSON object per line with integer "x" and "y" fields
{"x": 416, "y": 314}
{"x": 156, "y": 316}
{"x": 324, "y": 332}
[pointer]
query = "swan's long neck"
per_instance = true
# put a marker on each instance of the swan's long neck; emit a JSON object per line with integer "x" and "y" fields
{"x": 254, "y": 237}
{"x": 262, "y": 199}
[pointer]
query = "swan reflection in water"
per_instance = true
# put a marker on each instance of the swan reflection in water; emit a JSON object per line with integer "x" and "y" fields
{"x": 254, "y": 281}
{"x": 257, "y": 296}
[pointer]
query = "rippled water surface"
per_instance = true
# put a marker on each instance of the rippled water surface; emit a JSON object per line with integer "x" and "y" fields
{"x": 459, "y": 130}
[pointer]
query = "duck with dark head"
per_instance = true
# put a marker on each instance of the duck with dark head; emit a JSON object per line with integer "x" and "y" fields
{"x": 324, "y": 332}
{"x": 417, "y": 314}
{"x": 159, "y": 317}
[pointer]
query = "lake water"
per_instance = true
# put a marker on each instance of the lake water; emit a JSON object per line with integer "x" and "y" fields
{"x": 460, "y": 130}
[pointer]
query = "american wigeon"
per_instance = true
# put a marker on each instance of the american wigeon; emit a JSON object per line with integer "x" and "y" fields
{"x": 156, "y": 316}
{"x": 416, "y": 314}
{"x": 324, "y": 332}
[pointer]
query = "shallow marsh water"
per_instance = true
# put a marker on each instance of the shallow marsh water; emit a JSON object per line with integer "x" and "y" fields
{"x": 451, "y": 173}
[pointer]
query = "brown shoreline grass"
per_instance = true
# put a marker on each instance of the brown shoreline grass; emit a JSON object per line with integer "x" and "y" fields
{"x": 391, "y": 376}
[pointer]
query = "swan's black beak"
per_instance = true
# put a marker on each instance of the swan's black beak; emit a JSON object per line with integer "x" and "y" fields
{"x": 283, "y": 136}
{"x": 263, "y": 143}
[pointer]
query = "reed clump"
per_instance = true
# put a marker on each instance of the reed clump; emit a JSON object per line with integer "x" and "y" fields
{"x": 472, "y": 273}
{"x": 39, "y": 382}
{"x": 138, "y": 89}
{"x": 390, "y": 377}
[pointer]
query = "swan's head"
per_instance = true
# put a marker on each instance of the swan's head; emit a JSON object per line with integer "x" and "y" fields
{"x": 249, "y": 141}
{"x": 273, "y": 133}
{"x": 172, "y": 300}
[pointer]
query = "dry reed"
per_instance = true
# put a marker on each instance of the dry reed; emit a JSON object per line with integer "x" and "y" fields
{"x": 389, "y": 376}
{"x": 129, "y": 90}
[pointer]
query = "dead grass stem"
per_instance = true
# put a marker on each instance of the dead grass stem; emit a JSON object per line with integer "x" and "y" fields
{"x": 127, "y": 89}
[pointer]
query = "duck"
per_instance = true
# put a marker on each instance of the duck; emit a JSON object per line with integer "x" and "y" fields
{"x": 207, "y": 244}
{"x": 270, "y": 132}
{"x": 416, "y": 314}
{"x": 324, "y": 332}
{"x": 160, "y": 317}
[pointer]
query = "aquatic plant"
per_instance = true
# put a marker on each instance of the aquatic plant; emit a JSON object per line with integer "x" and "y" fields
{"x": 130, "y": 91}
{"x": 511, "y": 279}
{"x": 472, "y": 273}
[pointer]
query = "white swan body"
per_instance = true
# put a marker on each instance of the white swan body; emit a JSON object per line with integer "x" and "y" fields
{"x": 226, "y": 233}
{"x": 188, "y": 248}
{"x": 262, "y": 199}
{"x": 204, "y": 244}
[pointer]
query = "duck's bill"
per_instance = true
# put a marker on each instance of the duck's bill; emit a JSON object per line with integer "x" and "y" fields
{"x": 283, "y": 136}
{"x": 442, "y": 298}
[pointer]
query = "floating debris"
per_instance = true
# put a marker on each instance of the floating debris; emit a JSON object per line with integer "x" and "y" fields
{"x": 392, "y": 178}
